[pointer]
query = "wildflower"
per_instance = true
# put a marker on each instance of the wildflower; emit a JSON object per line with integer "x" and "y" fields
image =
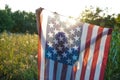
{"x": 2, "y": 39}
{"x": 26, "y": 42}
{"x": 36, "y": 56}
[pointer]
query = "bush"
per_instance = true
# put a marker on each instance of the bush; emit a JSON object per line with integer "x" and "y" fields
{"x": 18, "y": 59}
{"x": 113, "y": 65}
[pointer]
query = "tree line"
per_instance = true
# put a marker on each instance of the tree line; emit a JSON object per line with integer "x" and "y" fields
{"x": 18, "y": 21}
{"x": 99, "y": 17}
{"x": 22, "y": 22}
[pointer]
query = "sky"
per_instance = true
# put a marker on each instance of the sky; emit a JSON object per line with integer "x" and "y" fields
{"x": 64, "y": 7}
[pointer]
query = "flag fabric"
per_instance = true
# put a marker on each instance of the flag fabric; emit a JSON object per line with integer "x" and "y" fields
{"x": 71, "y": 50}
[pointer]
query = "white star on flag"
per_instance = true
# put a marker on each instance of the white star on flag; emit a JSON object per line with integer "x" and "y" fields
{"x": 56, "y": 31}
{"x": 78, "y": 29}
{"x": 67, "y": 35}
{"x": 49, "y": 54}
{"x": 65, "y": 45}
{"x": 74, "y": 57}
{"x": 50, "y": 44}
{"x": 51, "y": 25}
{"x": 76, "y": 38}
{"x": 60, "y": 48}
{"x": 69, "y": 61}
{"x": 70, "y": 50}
{"x": 58, "y": 57}
{"x": 54, "y": 51}
{"x": 64, "y": 54}
{"x": 55, "y": 41}
{"x": 72, "y": 32}
{"x": 71, "y": 41}
{"x": 75, "y": 47}
{"x": 50, "y": 34}
{"x": 61, "y": 38}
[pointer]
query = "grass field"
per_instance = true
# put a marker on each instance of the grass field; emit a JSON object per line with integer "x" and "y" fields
{"x": 18, "y": 57}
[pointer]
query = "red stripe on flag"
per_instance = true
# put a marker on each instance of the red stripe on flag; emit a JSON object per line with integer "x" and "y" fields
{"x": 39, "y": 45}
{"x": 87, "y": 50}
{"x": 73, "y": 74}
{"x": 39, "y": 58}
{"x": 107, "y": 47}
{"x": 55, "y": 70}
{"x": 96, "y": 53}
{"x": 64, "y": 70}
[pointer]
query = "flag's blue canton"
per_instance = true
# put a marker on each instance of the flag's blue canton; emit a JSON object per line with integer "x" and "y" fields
{"x": 62, "y": 40}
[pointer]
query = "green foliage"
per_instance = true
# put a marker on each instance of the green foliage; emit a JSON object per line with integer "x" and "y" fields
{"x": 113, "y": 66}
{"x": 6, "y": 22}
{"x": 118, "y": 21}
{"x": 98, "y": 17}
{"x": 18, "y": 59}
{"x": 21, "y": 21}
{"x": 24, "y": 22}
{"x": 17, "y": 21}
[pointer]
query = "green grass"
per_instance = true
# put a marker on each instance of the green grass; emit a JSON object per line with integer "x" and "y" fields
{"x": 113, "y": 65}
{"x": 18, "y": 57}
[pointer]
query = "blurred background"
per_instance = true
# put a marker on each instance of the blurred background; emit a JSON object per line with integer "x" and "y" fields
{"x": 19, "y": 39}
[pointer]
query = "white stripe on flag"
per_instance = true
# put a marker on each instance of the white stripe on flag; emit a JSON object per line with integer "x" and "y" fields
{"x": 68, "y": 75}
{"x": 82, "y": 50}
{"x": 59, "y": 70}
{"x": 92, "y": 47}
{"x": 101, "y": 53}
{"x": 51, "y": 68}
{"x": 43, "y": 39}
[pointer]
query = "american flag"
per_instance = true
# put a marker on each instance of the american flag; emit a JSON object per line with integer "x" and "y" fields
{"x": 71, "y": 50}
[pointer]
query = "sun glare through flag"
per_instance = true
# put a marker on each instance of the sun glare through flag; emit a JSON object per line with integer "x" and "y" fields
{"x": 62, "y": 40}
{"x": 71, "y": 50}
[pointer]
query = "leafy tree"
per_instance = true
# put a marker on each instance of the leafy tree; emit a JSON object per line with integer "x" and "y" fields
{"x": 98, "y": 17}
{"x": 6, "y": 22}
{"x": 118, "y": 22}
{"x": 24, "y": 22}
{"x": 17, "y": 21}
